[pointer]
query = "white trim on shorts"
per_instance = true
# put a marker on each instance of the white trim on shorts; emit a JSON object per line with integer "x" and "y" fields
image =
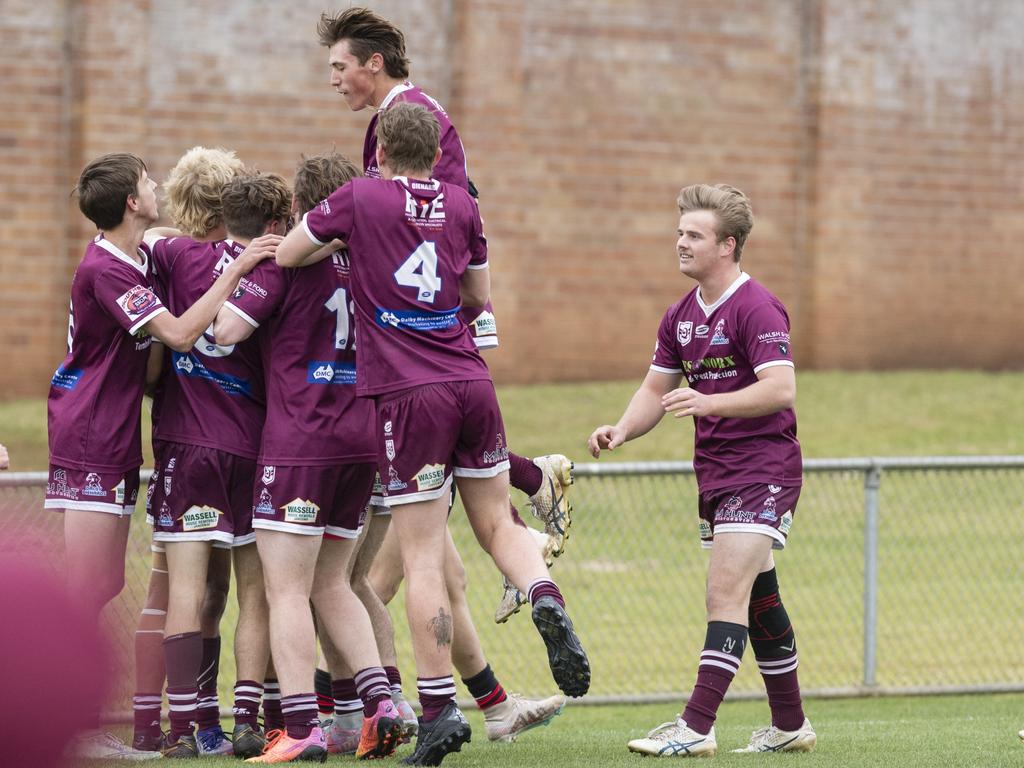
{"x": 494, "y": 471}
{"x": 221, "y": 538}
{"x": 779, "y": 540}
{"x": 280, "y": 525}
{"x": 90, "y": 506}
{"x": 343, "y": 533}
{"x": 412, "y": 498}
{"x": 241, "y": 541}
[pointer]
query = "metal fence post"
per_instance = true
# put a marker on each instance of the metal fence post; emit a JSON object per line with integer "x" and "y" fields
{"x": 872, "y": 481}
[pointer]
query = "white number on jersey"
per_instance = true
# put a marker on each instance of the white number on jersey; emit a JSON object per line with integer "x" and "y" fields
{"x": 425, "y": 281}
{"x": 339, "y": 305}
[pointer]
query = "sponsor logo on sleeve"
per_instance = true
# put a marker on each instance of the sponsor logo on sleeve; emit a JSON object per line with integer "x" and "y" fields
{"x": 684, "y": 332}
{"x": 300, "y": 511}
{"x": 200, "y": 518}
{"x": 431, "y": 476}
{"x": 137, "y": 301}
{"x": 247, "y": 285}
{"x": 325, "y": 207}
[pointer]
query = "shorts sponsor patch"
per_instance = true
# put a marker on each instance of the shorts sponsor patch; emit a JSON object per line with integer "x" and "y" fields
{"x": 93, "y": 486}
{"x": 431, "y": 476}
{"x": 300, "y": 511}
{"x": 265, "y": 505}
{"x": 394, "y": 481}
{"x": 499, "y": 454}
{"x": 200, "y": 518}
{"x": 786, "y": 522}
{"x": 137, "y": 301}
{"x": 269, "y": 473}
{"x": 165, "y": 520}
{"x": 705, "y": 528}
{"x": 485, "y": 324}
{"x": 119, "y": 493}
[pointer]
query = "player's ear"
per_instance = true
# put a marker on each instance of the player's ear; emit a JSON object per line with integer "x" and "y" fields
{"x": 437, "y": 157}
{"x": 382, "y": 156}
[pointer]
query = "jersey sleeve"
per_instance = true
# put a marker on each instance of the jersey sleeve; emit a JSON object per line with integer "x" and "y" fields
{"x": 666, "y": 360}
{"x": 331, "y": 218}
{"x": 477, "y": 241}
{"x": 765, "y": 339}
{"x": 127, "y": 297}
{"x": 259, "y": 293}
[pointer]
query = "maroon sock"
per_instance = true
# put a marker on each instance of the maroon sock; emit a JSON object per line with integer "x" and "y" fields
{"x": 300, "y": 715}
{"x": 322, "y": 684}
{"x": 545, "y": 588}
{"x": 719, "y": 663}
{"x": 273, "y": 720}
{"x": 524, "y": 474}
{"x": 373, "y": 687}
{"x": 182, "y": 656}
{"x": 146, "y": 712}
{"x": 435, "y": 694}
{"x": 774, "y": 644}
{"x": 208, "y": 708}
{"x": 485, "y": 688}
{"x": 346, "y": 697}
{"x": 394, "y": 678}
{"x": 247, "y": 702}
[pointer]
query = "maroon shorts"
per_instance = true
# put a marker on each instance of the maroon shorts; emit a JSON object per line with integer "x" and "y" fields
{"x": 202, "y": 494}
{"x": 159, "y": 447}
{"x": 765, "y": 509}
{"x": 428, "y": 433}
{"x": 313, "y": 500}
{"x": 113, "y": 492}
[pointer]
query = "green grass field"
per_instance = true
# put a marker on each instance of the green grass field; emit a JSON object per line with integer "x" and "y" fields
{"x": 925, "y": 732}
{"x": 634, "y": 575}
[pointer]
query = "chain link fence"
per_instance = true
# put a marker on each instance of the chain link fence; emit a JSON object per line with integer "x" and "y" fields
{"x": 901, "y": 576}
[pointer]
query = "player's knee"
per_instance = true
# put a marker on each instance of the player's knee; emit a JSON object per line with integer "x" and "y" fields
{"x": 214, "y": 603}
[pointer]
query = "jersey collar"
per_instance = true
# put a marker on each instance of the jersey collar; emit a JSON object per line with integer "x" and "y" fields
{"x": 708, "y": 309}
{"x": 393, "y": 94}
{"x": 116, "y": 252}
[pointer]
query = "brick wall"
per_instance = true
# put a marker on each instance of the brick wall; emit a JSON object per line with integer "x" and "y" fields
{"x": 879, "y": 142}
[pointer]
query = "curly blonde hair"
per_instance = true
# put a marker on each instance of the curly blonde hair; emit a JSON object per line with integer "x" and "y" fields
{"x": 194, "y": 187}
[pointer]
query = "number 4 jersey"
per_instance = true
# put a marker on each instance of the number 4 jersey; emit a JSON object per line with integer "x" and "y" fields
{"x": 309, "y": 358}
{"x": 410, "y": 243}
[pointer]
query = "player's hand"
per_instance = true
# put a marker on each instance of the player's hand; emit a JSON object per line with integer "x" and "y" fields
{"x": 606, "y": 436}
{"x": 686, "y": 402}
{"x": 263, "y": 247}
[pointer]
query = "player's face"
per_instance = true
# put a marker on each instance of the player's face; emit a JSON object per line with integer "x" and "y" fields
{"x": 700, "y": 253}
{"x": 145, "y": 195}
{"x": 351, "y": 79}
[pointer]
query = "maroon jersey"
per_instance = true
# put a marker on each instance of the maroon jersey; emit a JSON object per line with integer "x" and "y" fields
{"x": 95, "y": 404}
{"x": 309, "y": 354}
{"x": 410, "y": 243}
{"x": 212, "y": 396}
{"x": 721, "y": 348}
{"x": 452, "y": 165}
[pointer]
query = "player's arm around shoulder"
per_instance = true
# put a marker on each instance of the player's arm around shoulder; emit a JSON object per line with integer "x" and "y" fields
{"x": 643, "y": 413}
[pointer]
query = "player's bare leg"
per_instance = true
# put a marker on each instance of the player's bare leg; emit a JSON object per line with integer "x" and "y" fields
{"x": 342, "y": 617}
{"x": 505, "y": 715}
{"x": 516, "y": 555}
{"x": 149, "y": 658}
{"x": 187, "y": 565}
{"x": 252, "y": 651}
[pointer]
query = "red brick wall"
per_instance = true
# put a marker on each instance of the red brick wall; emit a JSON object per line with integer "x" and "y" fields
{"x": 881, "y": 152}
